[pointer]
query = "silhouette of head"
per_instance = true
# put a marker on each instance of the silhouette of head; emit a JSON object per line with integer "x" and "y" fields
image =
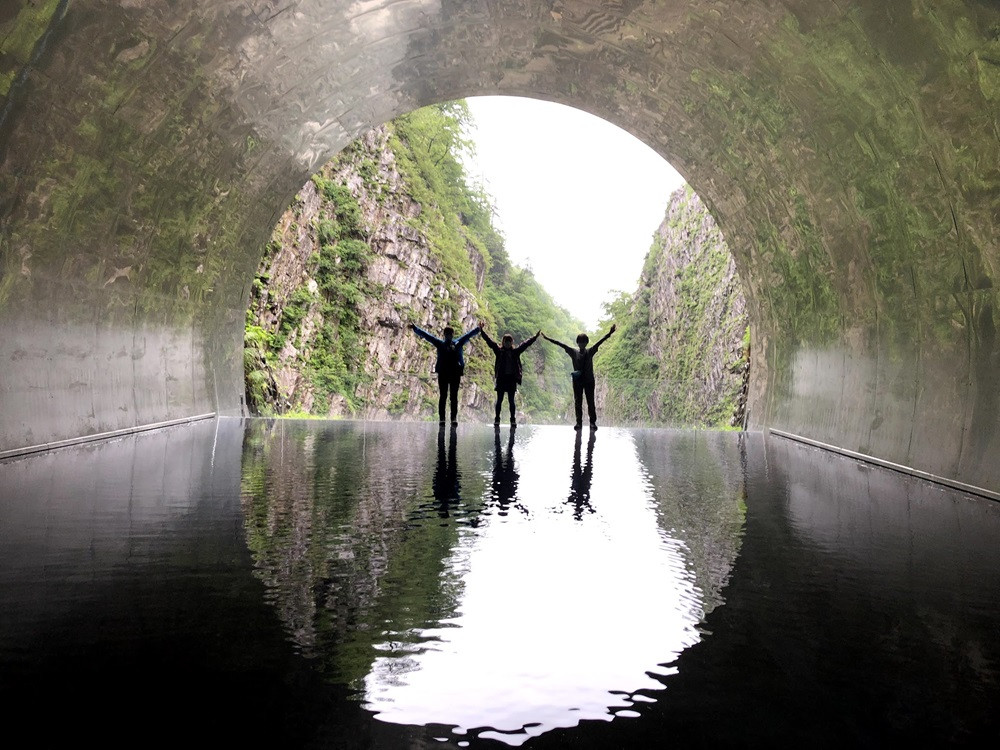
{"x": 449, "y": 332}
{"x": 508, "y": 341}
{"x": 583, "y": 339}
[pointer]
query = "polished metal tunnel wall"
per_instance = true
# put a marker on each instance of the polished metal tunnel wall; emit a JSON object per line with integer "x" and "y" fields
{"x": 849, "y": 150}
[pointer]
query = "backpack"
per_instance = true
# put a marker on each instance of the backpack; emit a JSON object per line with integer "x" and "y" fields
{"x": 450, "y": 359}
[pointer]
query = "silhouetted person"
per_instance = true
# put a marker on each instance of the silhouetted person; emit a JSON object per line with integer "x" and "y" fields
{"x": 579, "y": 492}
{"x": 446, "y": 483}
{"x": 450, "y": 366}
{"x": 583, "y": 374}
{"x": 505, "y": 475}
{"x": 507, "y": 370}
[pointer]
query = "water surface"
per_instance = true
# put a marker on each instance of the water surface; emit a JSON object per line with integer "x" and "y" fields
{"x": 342, "y": 584}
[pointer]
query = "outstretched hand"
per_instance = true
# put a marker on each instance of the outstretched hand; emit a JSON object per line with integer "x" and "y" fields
{"x": 613, "y": 328}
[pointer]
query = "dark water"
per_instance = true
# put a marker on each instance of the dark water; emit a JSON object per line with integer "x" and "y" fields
{"x": 350, "y": 585}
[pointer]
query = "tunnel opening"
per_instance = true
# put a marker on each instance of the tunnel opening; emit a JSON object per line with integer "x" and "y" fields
{"x": 400, "y": 229}
{"x": 848, "y": 151}
{"x": 843, "y": 148}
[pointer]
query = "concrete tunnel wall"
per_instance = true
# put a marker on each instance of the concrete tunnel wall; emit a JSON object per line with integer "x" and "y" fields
{"x": 849, "y": 150}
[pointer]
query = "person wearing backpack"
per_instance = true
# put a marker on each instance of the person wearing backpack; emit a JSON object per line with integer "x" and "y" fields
{"x": 450, "y": 366}
{"x": 507, "y": 370}
{"x": 583, "y": 374}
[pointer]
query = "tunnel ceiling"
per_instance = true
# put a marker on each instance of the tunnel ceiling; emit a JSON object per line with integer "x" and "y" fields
{"x": 848, "y": 150}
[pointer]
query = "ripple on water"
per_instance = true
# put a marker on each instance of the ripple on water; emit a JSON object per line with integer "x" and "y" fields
{"x": 569, "y": 582}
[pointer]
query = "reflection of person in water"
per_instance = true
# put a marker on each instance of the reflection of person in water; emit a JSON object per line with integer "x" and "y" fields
{"x": 579, "y": 493}
{"x": 505, "y": 476}
{"x": 446, "y": 483}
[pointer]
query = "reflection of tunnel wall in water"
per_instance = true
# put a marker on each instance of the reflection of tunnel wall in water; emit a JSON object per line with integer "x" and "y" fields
{"x": 847, "y": 150}
{"x": 684, "y": 467}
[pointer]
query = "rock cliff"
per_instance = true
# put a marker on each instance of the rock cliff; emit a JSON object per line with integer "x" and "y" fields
{"x": 399, "y": 281}
{"x": 381, "y": 238}
{"x": 385, "y": 235}
{"x": 683, "y": 353}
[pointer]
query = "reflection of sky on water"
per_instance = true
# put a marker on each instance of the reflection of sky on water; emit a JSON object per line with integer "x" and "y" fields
{"x": 258, "y": 564}
{"x": 561, "y": 614}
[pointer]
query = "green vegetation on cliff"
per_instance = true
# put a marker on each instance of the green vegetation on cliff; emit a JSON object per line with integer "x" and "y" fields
{"x": 333, "y": 352}
{"x": 391, "y": 232}
{"x": 522, "y": 307}
{"x": 681, "y": 353}
{"x": 428, "y": 146}
{"x": 317, "y": 310}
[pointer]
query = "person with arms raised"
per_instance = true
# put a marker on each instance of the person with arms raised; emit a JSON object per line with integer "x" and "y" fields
{"x": 583, "y": 374}
{"x": 507, "y": 370}
{"x": 450, "y": 366}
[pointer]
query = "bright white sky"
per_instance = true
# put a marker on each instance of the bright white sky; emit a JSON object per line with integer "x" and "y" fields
{"x": 578, "y": 199}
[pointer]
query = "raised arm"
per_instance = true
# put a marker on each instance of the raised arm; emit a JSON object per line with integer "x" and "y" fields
{"x": 425, "y": 335}
{"x": 466, "y": 336}
{"x": 527, "y": 342}
{"x": 604, "y": 337}
{"x": 489, "y": 342}
{"x": 569, "y": 349}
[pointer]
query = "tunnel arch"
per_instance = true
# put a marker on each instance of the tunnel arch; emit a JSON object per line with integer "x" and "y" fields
{"x": 847, "y": 150}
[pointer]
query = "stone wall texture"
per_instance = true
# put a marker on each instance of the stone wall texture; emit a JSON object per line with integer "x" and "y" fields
{"x": 847, "y": 151}
{"x": 688, "y": 317}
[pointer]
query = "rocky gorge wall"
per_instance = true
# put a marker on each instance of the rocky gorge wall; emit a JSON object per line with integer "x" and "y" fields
{"x": 354, "y": 261}
{"x": 683, "y": 353}
{"x": 386, "y": 371}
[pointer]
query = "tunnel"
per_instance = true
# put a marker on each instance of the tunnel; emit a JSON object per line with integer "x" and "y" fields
{"x": 849, "y": 151}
